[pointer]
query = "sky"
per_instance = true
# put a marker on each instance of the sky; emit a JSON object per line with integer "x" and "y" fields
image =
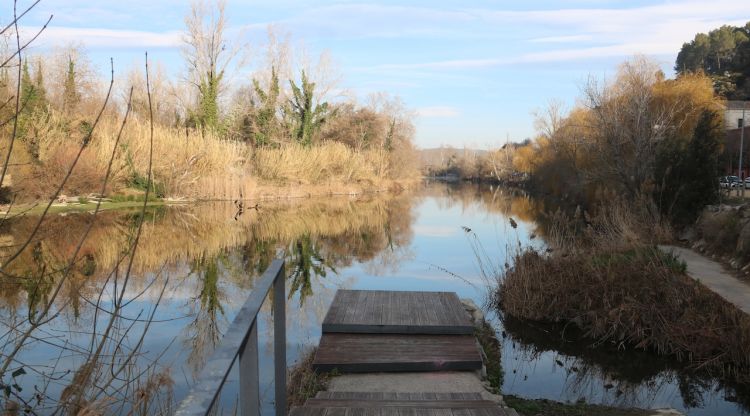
{"x": 472, "y": 70}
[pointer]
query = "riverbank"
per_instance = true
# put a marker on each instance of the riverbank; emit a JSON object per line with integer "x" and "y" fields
{"x": 66, "y": 204}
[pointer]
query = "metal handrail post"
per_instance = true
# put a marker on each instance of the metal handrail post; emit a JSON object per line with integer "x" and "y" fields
{"x": 249, "y": 377}
{"x": 279, "y": 342}
{"x": 241, "y": 341}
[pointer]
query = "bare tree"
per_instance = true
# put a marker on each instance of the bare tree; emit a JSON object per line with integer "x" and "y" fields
{"x": 208, "y": 55}
{"x": 626, "y": 125}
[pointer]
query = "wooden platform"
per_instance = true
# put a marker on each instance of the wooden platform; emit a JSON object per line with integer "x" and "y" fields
{"x": 390, "y": 312}
{"x": 363, "y": 353}
{"x": 399, "y": 404}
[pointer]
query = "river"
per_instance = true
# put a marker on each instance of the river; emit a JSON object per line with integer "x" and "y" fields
{"x": 195, "y": 265}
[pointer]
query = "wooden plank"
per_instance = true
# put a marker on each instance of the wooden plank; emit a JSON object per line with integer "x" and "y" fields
{"x": 352, "y": 395}
{"x": 416, "y": 404}
{"x": 393, "y": 353}
{"x": 397, "y": 312}
{"x": 398, "y": 411}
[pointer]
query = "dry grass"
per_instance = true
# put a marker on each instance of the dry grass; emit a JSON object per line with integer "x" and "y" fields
{"x": 326, "y": 163}
{"x": 618, "y": 288}
{"x": 192, "y": 165}
{"x": 303, "y": 382}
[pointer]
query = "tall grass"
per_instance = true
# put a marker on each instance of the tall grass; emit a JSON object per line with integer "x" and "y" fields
{"x": 327, "y": 163}
{"x": 195, "y": 165}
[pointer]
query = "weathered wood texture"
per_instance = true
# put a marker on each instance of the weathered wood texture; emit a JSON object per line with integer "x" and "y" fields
{"x": 359, "y": 353}
{"x": 392, "y": 312}
{"x": 352, "y": 395}
{"x": 433, "y": 404}
{"x": 400, "y": 404}
{"x": 396, "y": 411}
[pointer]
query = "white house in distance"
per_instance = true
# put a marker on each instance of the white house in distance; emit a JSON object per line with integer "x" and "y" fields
{"x": 733, "y": 114}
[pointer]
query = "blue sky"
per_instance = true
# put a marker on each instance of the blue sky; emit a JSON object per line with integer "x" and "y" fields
{"x": 473, "y": 70}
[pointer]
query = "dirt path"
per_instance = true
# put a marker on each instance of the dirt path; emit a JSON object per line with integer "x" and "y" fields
{"x": 714, "y": 276}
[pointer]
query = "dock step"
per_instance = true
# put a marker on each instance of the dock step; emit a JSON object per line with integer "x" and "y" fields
{"x": 397, "y": 312}
{"x": 347, "y": 395}
{"x": 397, "y": 411}
{"x": 370, "y": 353}
{"x": 400, "y": 404}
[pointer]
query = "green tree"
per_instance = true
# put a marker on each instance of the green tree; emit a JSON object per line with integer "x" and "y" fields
{"x": 687, "y": 170}
{"x": 264, "y": 123}
{"x": 723, "y": 54}
{"x": 71, "y": 97}
{"x": 39, "y": 84}
{"x": 308, "y": 116}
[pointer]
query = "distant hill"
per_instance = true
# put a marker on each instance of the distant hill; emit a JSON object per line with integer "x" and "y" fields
{"x": 439, "y": 156}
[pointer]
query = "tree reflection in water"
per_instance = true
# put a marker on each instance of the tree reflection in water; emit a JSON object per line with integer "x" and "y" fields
{"x": 305, "y": 260}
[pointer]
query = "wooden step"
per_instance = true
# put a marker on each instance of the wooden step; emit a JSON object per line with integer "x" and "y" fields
{"x": 399, "y": 411}
{"x": 421, "y": 404}
{"x": 397, "y": 312}
{"x": 358, "y": 353}
{"x": 349, "y": 395}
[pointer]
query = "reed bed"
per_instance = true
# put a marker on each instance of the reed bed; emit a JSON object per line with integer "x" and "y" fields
{"x": 619, "y": 288}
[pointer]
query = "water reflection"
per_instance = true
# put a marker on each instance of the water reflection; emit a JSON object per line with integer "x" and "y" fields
{"x": 196, "y": 265}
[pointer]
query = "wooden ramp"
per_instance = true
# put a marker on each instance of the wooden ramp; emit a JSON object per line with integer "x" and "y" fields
{"x": 399, "y": 404}
{"x": 382, "y": 331}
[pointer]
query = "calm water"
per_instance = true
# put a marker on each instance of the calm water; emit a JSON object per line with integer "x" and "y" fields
{"x": 196, "y": 265}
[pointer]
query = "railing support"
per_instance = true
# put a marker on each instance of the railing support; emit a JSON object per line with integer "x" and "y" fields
{"x": 249, "y": 380}
{"x": 279, "y": 342}
{"x": 241, "y": 340}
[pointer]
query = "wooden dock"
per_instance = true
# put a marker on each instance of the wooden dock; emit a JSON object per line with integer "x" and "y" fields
{"x": 386, "y": 312}
{"x": 388, "y": 331}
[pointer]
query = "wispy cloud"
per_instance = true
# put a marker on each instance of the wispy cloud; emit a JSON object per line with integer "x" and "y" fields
{"x": 438, "y": 111}
{"x": 105, "y": 38}
{"x": 562, "y": 39}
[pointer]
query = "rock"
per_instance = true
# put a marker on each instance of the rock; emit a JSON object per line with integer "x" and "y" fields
{"x": 62, "y": 199}
{"x": 477, "y": 316}
{"x": 734, "y": 263}
{"x": 688, "y": 234}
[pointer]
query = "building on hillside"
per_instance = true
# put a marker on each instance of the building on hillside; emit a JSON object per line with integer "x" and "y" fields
{"x": 733, "y": 114}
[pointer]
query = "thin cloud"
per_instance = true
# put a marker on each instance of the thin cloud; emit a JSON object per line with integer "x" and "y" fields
{"x": 562, "y": 39}
{"x": 438, "y": 111}
{"x": 106, "y": 38}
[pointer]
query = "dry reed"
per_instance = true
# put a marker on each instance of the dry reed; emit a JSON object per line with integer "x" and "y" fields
{"x": 618, "y": 288}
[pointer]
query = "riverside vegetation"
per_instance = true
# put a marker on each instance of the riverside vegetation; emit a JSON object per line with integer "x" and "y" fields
{"x": 639, "y": 159}
{"x": 227, "y": 132}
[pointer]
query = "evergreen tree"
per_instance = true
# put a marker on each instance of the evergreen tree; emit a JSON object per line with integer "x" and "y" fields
{"x": 265, "y": 123}
{"x": 723, "y": 54}
{"x": 687, "y": 170}
{"x": 308, "y": 117}
{"x": 39, "y": 84}
{"x": 70, "y": 90}
{"x": 29, "y": 92}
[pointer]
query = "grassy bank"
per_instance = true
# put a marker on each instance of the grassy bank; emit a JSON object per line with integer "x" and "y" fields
{"x": 543, "y": 407}
{"x": 303, "y": 382}
{"x": 610, "y": 281}
{"x": 199, "y": 166}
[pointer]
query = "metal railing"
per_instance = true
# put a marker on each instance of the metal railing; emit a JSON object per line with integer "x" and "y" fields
{"x": 241, "y": 340}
